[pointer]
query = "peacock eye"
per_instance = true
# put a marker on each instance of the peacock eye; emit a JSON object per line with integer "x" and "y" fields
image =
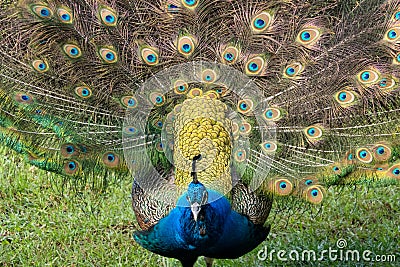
{"x": 272, "y": 114}
{"x": 209, "y": 76}
{"x": 40, "y": 65}
{"x": 129, "y": 101}
{"x": 157, "y": 99}
{"x": 245, "y": 106}
{"x": 108, "y": 16}
{"x": 180, "y": 87}
{"x": 254, "y": 66}
{"x": 186, "y": 45}
{"x": 71, "y": 167}
{"x": 190, "y": 3}
{"x": 23, "y": 98}
{"x": 245, "y": 128}
{"x": 42, "y": 11}
{"x": 240, "y": 155}
{"x": 396, "y": 16}
{"x": 110, "y": 159}
{"x": 64, "y": 15}
{"x": 68, "y": 150}
{"x": 314, "y": 192}
{"x": 269, "y": 147}
{"x": 108, "y": 55}
{"x": 149, "y": 56}
{"x": 387, "y": 83}
{"x": 364, "y": 155}
{"x": 382, "y": 152}
{"x": 281, "y": 186}
{"x": 345, "y": 98}
{"x": 72, "y": 51}
{"x": 293, "y": 70}
{"x": 393, "y": 34}
{"x": 158, "y": 124}
{"x": 172, "y": 8}
{"x": 367, "y": 77}
{"x": 313, "y": 132}
{"x": 308, "y": 36}
{"x": 230, "y": 55}
{"x": 130, "y": 131}
{"x": 160, "y": 147}
{"x": 83, "y": 92}
{"x": 261, "y": 22}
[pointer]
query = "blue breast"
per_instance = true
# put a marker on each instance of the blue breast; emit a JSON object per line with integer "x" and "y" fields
{"x": 220, "y": 232}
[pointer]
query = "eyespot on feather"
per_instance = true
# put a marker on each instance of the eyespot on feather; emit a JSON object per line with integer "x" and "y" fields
{"x": 23, "y": 98}
{"x": 230, "y": 55}
{"x": 255, "y": 66}
{"x": 157, "y": 99}
{"x": 71, "y": 167}
{"x": 40, "y": 66}
{"x": 308, "y": 36}
{"x": 392, "y": 35}
{"x": 261, "y": 22}
{"x": 368, "y": 76}
{"x": 180, "y": 87}
{"x": 245, "y": 106}
{"x": 280, "y": 186}
{"x": 42, "y": 11}
{"x": 240, "y": 155}
{"x": 382, "y": 152}
{"x": 394, "y": 172}
{"x": 108, "y": 55}
{"x": 209, "y": 76}
{"x": 314, "y": 194}
{"x": 83, "y": 92}
{"x": 345, "y": 98}
{"x": 110, "y": 159}
{"x": 272, "y": 114}
{"x": 129, "y": 101}
{"x": 190, "y": 4}
{"x": 130, "y": 131}
{"x": 186, "y": 45}
{"x": 72, "y": 51}
{"x": 69, "y": 150}
{"x": 387, "y": 83}
{"x": 313, "y": 132}
{"x": 108, "y": 16}
{"x": 245, "y": 128}
{"x": 269, "y": 147}
{"x": 65, "y": 15}
{"x": 149, "y": 56}
{"x": 293, "y": 70}
{"x": 364, "y": 155}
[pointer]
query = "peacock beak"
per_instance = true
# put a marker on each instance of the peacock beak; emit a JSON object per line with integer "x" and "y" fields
{"x": 195, "y": 207}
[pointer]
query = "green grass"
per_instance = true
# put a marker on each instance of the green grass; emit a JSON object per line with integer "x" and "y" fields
{"x": 41, "y": 227}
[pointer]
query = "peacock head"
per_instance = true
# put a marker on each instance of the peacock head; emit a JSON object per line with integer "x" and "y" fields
{"x": 197, "y": 194}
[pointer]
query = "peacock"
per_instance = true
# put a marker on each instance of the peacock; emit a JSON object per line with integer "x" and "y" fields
{"x": 214, "y": 109}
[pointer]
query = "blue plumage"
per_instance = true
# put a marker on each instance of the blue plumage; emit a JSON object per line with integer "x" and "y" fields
{"x": 218, "y": 232}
